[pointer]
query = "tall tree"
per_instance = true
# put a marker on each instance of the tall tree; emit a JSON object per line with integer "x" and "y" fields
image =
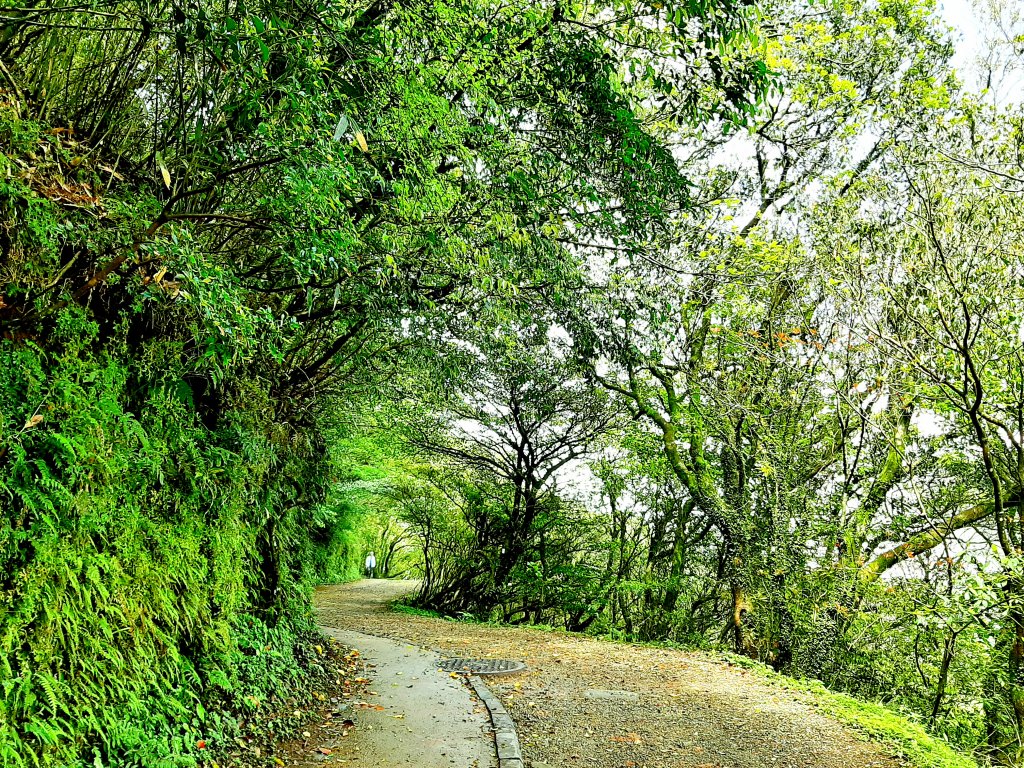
{"x": 516, "y": 416}
{"x": 948, "y": 263}
{"x": 719, "y": 335}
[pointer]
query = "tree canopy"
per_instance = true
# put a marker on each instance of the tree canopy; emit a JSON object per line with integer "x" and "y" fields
{"x": 694, "y": 321}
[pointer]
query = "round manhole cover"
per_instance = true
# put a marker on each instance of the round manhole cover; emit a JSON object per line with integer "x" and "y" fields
{"x": 483, "y": 666}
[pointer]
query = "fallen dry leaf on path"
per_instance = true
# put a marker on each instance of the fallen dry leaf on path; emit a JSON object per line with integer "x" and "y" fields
{"x": 629, "y": 738}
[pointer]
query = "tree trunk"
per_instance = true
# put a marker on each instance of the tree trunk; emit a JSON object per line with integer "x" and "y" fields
{"x": 1016, "y": 616}
{"x": 940, "y": 687}
{"x": 672, "y": 591}
{"x": 740, "y": 609}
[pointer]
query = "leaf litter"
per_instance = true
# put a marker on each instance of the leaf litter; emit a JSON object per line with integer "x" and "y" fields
{"x": 690, "y": 711}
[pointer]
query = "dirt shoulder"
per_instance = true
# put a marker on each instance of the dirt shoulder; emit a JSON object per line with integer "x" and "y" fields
{"x": 587, "y": 702}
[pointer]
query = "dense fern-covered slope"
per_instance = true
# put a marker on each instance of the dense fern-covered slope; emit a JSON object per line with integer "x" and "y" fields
{"x": 156, "y": 547}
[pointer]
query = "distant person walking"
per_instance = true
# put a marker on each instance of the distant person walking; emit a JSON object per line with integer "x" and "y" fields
{"x": 371, "y": 565}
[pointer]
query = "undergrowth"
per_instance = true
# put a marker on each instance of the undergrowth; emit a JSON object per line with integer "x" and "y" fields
{"x": 159, "y": 535}
{"x": 901, "y": 735}
{"x": 130, "y": 632}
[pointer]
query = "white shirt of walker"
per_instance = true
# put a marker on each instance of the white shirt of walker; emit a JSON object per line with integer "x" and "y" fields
{"x": 371, "y": 565}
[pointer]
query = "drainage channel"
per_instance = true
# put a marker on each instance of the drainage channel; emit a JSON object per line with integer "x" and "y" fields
{"x": 483, "y": 666}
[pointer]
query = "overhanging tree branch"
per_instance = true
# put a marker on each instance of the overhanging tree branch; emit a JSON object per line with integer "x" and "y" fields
{"x": 922, "y": 542}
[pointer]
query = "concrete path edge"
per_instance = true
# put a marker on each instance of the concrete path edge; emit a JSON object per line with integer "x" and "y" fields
{"x": 506, "y": 740}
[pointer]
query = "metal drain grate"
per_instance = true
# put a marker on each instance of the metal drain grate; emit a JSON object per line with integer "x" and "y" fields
{"x": 482, "y": 666}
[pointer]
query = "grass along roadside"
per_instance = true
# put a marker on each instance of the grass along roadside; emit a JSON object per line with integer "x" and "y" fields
{"x": 900, "y": 735}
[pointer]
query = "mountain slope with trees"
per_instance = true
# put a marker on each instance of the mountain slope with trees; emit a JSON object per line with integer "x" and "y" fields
{"x": 694, "y": 321}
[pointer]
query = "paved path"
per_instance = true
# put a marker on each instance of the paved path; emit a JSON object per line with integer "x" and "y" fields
{"x": 587, "y": 703}
{"x": 420, "y": 716}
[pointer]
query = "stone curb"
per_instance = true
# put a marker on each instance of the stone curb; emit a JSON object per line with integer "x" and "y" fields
{"x": 506, "y": 741}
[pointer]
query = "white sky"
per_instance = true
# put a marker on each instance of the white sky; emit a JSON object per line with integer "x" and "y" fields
{"x": 965, "y": 18}
{"x": 975, "y": 31}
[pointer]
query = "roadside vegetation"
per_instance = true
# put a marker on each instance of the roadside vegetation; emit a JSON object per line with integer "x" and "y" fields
{"x": 698, "y": 322}
{"x": 899, "y": 734}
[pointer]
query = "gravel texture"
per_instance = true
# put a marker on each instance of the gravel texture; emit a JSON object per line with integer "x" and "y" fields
{"x": 588, "y": 702}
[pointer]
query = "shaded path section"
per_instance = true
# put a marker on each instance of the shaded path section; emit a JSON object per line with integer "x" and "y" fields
{"x": 587, "y": 702}
{"x": 417, "y": 715}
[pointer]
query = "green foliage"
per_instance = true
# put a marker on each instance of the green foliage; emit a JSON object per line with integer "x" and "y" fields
{"x": 221, "y": 228}
{"x": 902, "y": 736}
{"x": 283, "y": 283}
{"x": 129, "y": 556}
